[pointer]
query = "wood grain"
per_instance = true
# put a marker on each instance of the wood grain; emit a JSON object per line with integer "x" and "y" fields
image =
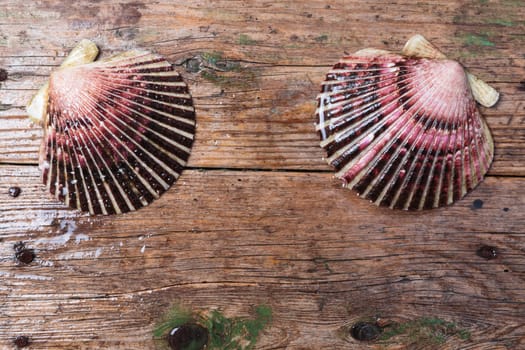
{"x": 257, "y": 218}
{"x": 261, "y": 237}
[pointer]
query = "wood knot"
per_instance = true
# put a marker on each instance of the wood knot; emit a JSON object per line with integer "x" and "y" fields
{"x": 3, "y": 74}
{"x": 365, "y": 331}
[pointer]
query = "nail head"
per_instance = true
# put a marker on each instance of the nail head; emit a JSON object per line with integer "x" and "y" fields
{"x": 14, "y": 191}
{"x": 188, "y": 336}
{"x": 477, "y": 204}
{"x": 21, "y": 341}
{"x": 487, "y": 252}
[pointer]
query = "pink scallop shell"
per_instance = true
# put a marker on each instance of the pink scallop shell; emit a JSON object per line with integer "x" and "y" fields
{"x": 403, "y": 132}
{"x": 118, "y": 133}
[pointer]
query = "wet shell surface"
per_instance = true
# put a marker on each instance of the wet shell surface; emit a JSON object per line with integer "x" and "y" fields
{"x": 403, "y": 131}
{"x": 118, "y": 132}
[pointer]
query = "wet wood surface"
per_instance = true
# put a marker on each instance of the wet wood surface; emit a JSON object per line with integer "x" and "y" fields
{"x": 257, "y": 218}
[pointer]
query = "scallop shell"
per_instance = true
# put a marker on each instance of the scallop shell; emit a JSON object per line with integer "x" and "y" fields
{"x": 118, "y": 132}
{"x": 403, "y": 131}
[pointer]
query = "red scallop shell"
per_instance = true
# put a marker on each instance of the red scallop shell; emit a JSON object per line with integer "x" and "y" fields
{"x": 403, "y": 132}
{"x": 117, "y": 134}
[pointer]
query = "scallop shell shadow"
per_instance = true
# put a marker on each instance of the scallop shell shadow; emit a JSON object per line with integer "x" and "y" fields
{"x": 403, "y": 131}
{"x": 118, "y": 132}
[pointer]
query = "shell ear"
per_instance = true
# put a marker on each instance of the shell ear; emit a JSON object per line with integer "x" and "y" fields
{"x": 418, "y": 46}
{"x": 485, "y": 94}
{"x": 86, "y": 51}
{"x": 37, "y": 107}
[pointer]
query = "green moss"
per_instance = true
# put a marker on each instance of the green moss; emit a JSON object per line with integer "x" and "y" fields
{"x": 212, "y": 57}
{"x": 501, "y": 22}
{"x": 218, "y": 79}
{"x": 321, "y": 38}
{"x": 236, "y": 78}
{"x": 512, "y": 3}
{"x": 216, "y": 61}
{"x": 225, "y": 333}
{"x": 237, "y": 333}
{"x": 246, "y": 40}
{"x": 477, "y": 40}
{"x": 176, "y": 317}
{"x": 424, "y": 331}
{"x": 226, "y": 73}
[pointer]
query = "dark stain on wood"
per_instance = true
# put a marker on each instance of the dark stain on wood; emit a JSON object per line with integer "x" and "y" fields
{"x": 23, "y": 254}
{"x": 3, "y": 74}
{"x": 85, "y": 15}
{"x": 21, "y": 341}
{"x": 130, "y": 13}
{"x": 126, "y": 33}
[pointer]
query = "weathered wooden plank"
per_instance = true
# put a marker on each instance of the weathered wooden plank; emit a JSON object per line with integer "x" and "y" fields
{"x": 317, "y": 254}
{"x": 272, "y": 127}
{"x": 253, "y": 237}
{"x": 258, "y": 114}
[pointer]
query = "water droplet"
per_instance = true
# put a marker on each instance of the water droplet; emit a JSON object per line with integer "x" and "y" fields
{"x": 365, "y": 331}
{"x": 189, "y": 336}
{"x": 14, "y": 191}
{"x": 487, "y": 252}
{"x": 21, "y": 341}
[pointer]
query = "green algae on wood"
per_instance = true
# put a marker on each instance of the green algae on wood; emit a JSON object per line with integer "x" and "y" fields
{"x": 501, "y": 22}
{"x": 212, "y": 57}
{"x": 227, "y": 80}
{"x": 177, "y": 316}
{"x": 321, "y": 38}
{"x": 225, "y": 333}
{"x": 423, "y": 331}
{"x": 216, "y": 61}
{"x": 246, "y": 40}
{"x": 226, "y": 73}
{"x": 477, "y": 40}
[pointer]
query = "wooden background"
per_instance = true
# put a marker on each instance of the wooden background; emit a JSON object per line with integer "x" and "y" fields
{"x": 258, "y": 218}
